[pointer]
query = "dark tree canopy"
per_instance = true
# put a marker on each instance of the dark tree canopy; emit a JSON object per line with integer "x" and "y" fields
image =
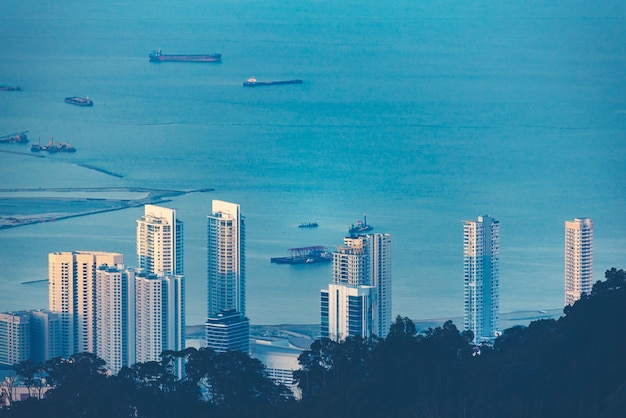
{"x": 573, "y": 367}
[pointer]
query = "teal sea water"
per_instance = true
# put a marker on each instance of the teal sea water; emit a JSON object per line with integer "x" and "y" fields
{"x": 421, "y": 113}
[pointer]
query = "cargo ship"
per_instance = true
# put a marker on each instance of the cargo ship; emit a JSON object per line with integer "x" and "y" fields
{"x": 53, "y": 147}
{"x": 305, "y": 255}
{"x": 308, "y": 225}
{"x": 158, "y": 56}
{"x": 252, "y": 82}
{"x": 79, "y": 101}
{"x": 4, "y": 87}
{"x": 16, "y": 138}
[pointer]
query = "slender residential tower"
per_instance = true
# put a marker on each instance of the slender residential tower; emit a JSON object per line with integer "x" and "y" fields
{"x": 72, "y": 295}
{"x": 160, "y": 241}
{"x": 358, "y": 301}
{"x": 578, "y": 259}
{"x": 481, "y": 264}
{"x": 159, "y": 316}
{"x": 115, "y": 319}
{"x": 159, "y": 285}
{"x": 226, "y": 278}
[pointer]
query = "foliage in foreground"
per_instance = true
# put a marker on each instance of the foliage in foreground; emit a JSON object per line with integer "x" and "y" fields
{"x": 573, "y": 367}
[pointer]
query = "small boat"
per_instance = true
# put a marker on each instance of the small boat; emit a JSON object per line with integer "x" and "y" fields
{"x": 252, "y": 82}
{"x": 4, "y": 87}
{"x": 79, "y": 101}
{"x": 308, "y": 225}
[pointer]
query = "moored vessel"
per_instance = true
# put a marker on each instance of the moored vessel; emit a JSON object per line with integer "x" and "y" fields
{"x": 53, "y": 147}
{"x": 79, "y": 101}
{"x": 158, "y": 56}
{"x": 253, "y": 82}
{"x": 305, "y": 255}
{"x": 358, "y": 227}
{"x": 14, "y": 138}
{"x": 4, "y": 87}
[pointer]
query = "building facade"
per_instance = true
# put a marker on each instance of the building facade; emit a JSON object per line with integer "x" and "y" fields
{"x": 226, "y": 259}
{"x": 358, "y": 301}
{"x": 45, "y": 335}
{"x": 72, "y": 295}
{"x": 159, "y": 316}
{"x": 160, "y": 241}
{"x": 228, "y": 330}
{"x": 115, "y": 316}
{"x": 226, "y": 271}
{"x": 481, "y": 265}
{"x": 578, "y": 259}
{"x": 15, "y": 337}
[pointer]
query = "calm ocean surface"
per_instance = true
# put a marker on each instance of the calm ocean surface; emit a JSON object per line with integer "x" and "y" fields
{"x": 421, "y": 113}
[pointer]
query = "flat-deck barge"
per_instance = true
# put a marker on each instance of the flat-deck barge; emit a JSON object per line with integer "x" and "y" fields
{"x": 305, "y": 255}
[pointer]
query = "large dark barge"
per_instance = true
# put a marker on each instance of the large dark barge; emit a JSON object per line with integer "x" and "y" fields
{"x": 158, "y": 56}
{"x": 252, "y": 82}
{"x": 15, "y": 138}
{"x": 305, "y": 255}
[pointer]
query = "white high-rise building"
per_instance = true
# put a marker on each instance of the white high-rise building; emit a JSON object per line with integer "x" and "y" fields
{"x": 481, "y": 265}
{"x": 15, "y": 341}
{"x": 159, "y": 316}
{"x": 226, "y": 278}
{"x": 159, "y": 285}
{"x": 115, "y": 319}
{"x": 160, "y": 241}
{"x": 358, "y": 302}
{"x": 226, "y": 259}
{"x": 72, "y": 295}
{"x": 578, "y": 259}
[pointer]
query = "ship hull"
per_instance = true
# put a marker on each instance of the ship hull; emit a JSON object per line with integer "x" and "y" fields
{"x": 187, "y": 58}
{"x": 79, "y": 101}
{"x": 269, "y": 83}
{"x": 16, "y": 138}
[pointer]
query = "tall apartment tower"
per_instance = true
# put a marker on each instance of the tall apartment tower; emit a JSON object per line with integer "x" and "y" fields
{"x": 358, "y": 302}
{"x": 159, "y": 285}
{"x": 226, "y": 272}
{"x": 160, "y": 241}
{"x": 32, "y": 334}
{"x": 45, "y": 340}
{"x": 159, "y": 316}
{"x": 72, "y": 295}
{"x": 481, "y": 265}
{"x": 115, "y": 316}
{"x": 578, "y": 259}
{"x": 15, "y": 341}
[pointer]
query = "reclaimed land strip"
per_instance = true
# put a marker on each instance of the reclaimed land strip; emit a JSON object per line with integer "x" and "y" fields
{"x": 154, "y": 196}
{"x": 101, "y": 170}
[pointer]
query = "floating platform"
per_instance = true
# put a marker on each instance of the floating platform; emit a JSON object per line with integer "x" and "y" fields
{"x": 305, "y": 255}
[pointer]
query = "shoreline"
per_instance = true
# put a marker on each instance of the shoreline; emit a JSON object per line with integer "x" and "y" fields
{"x": 507, "y": 320}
